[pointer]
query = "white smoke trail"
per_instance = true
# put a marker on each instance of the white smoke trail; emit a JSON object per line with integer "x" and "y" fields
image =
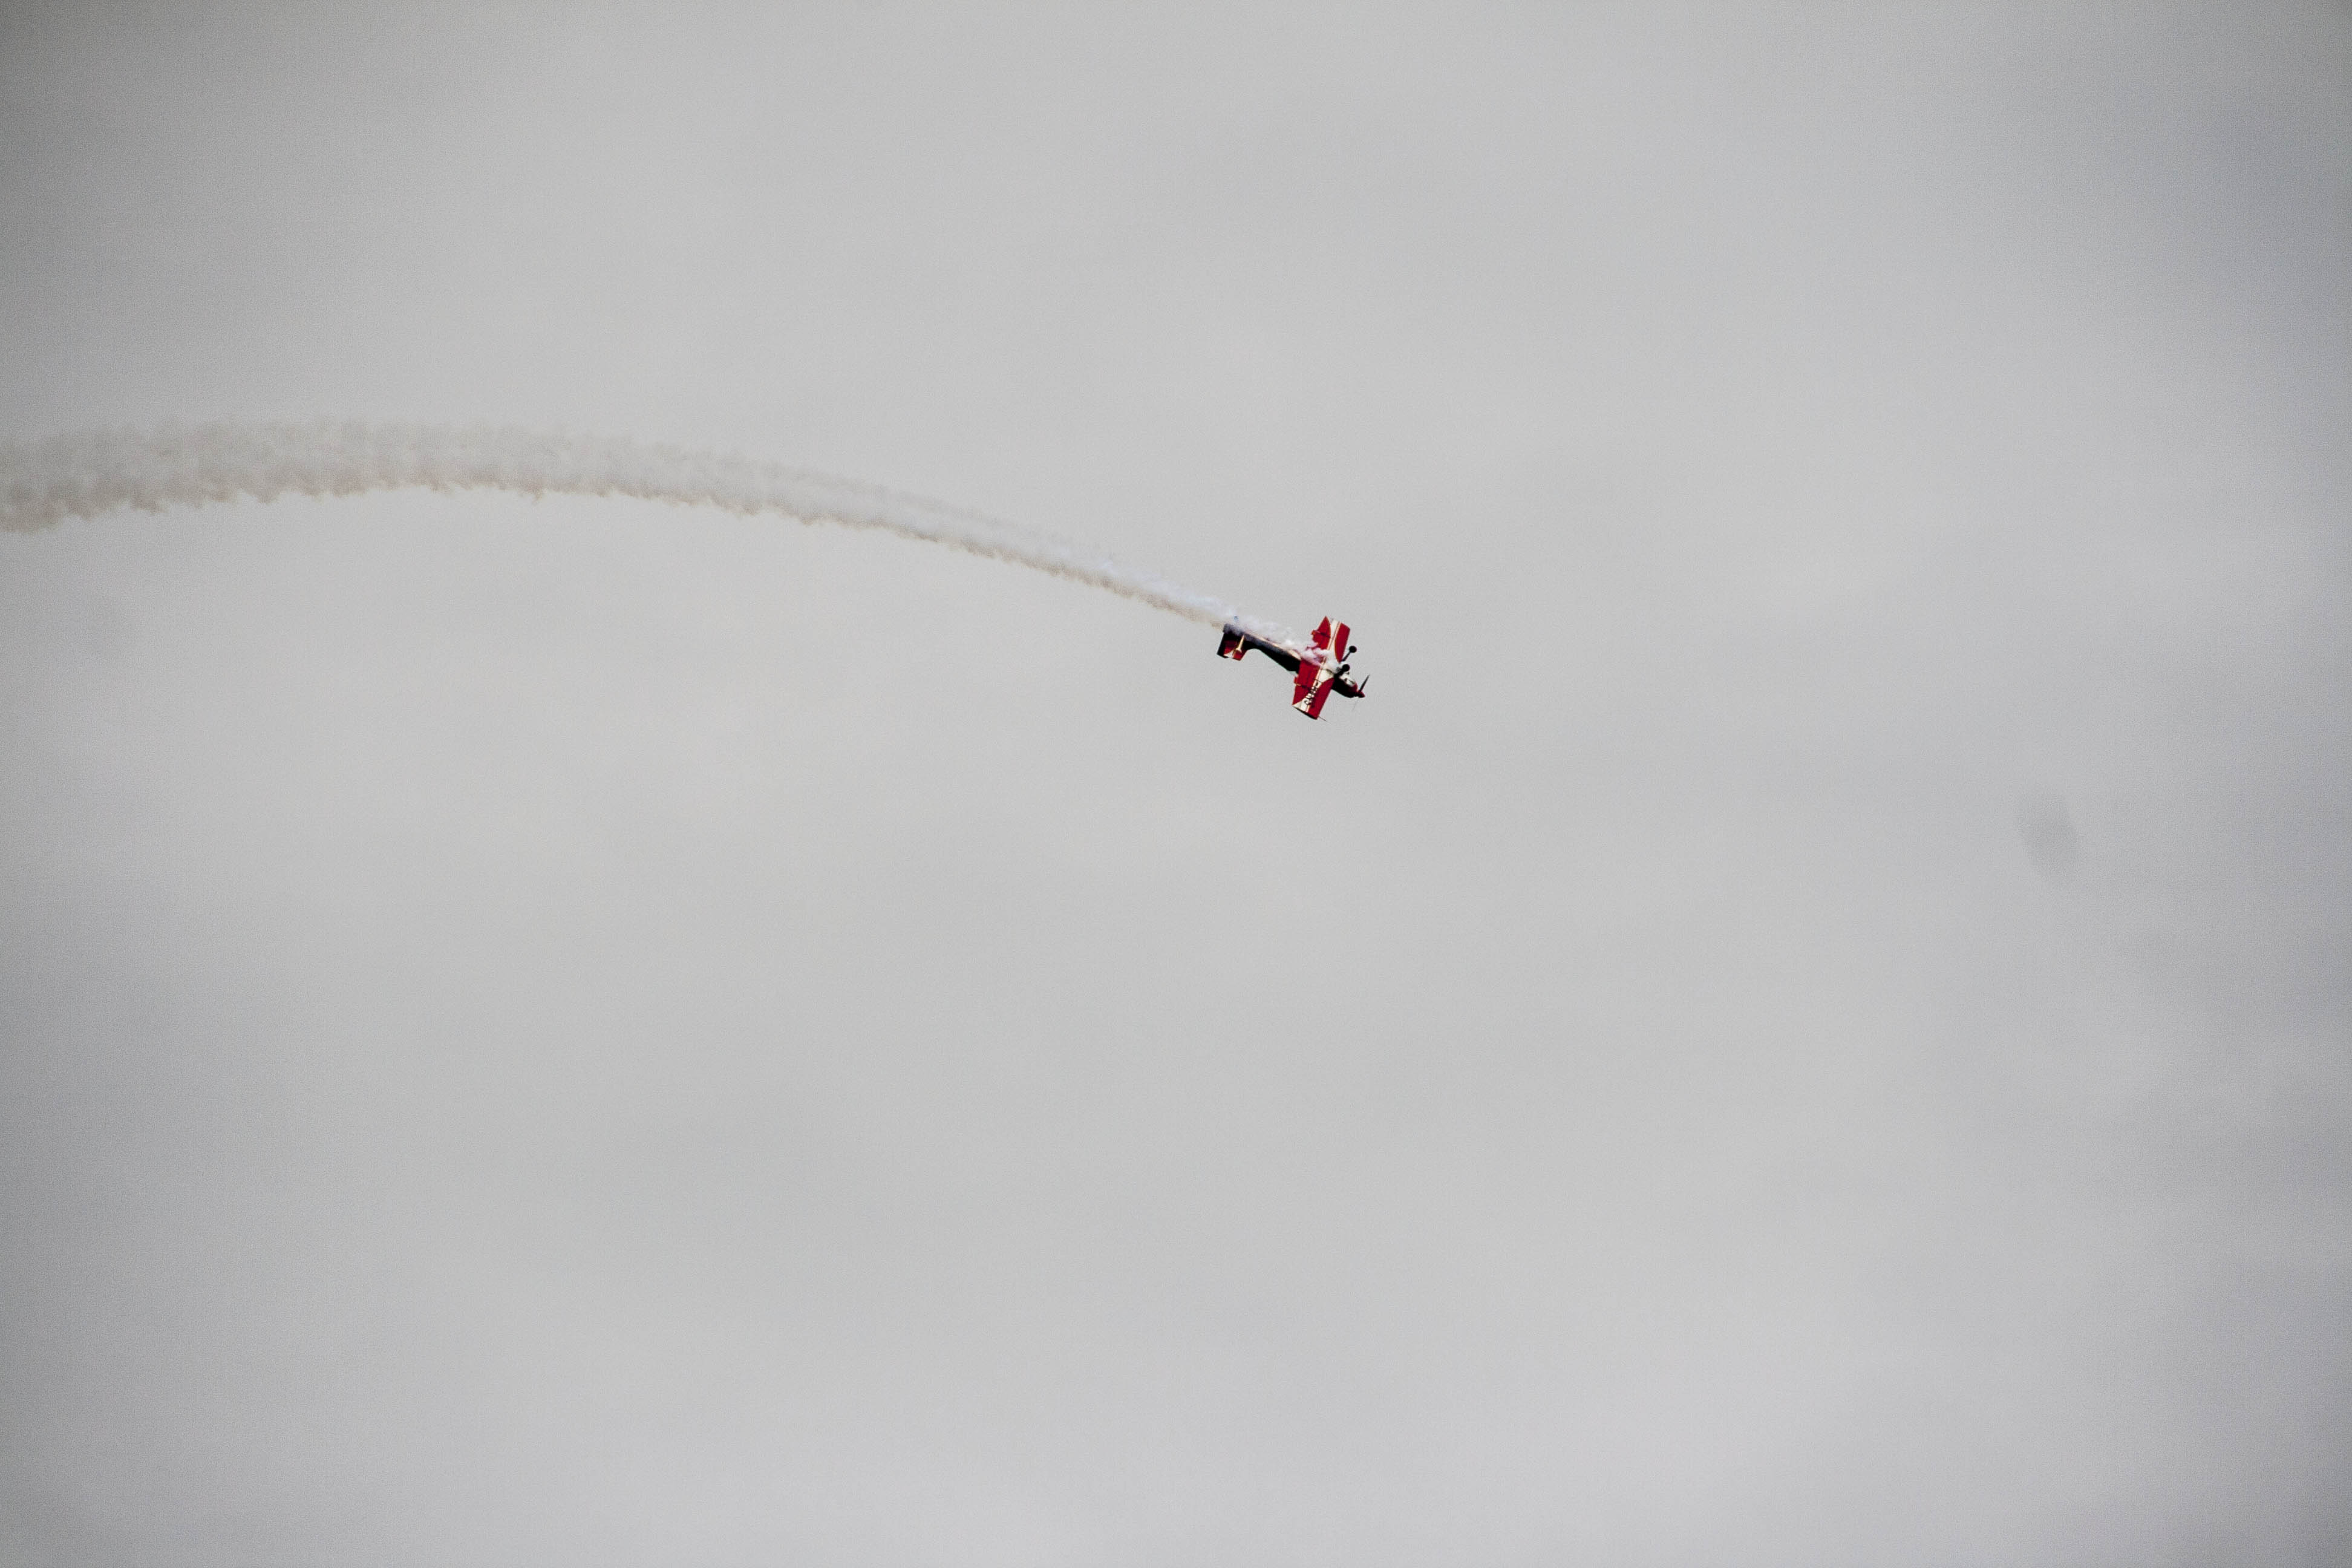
{"x": 87, "y": 473}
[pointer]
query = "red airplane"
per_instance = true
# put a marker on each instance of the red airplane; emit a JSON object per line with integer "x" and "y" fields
{"x": 1318, "y": 669}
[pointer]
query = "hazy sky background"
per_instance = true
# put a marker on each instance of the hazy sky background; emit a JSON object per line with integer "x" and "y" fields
{"x": 1809, "y": 1021}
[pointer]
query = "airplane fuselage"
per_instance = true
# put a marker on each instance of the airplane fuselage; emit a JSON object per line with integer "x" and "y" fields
{"x": 1319, "y": 668}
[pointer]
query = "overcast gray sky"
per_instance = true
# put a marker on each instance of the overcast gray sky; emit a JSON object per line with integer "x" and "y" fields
{"x": 1808, "y": 1021}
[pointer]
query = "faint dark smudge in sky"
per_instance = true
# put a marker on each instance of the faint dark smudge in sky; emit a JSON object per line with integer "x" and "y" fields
{"x": 2047, "y": 830}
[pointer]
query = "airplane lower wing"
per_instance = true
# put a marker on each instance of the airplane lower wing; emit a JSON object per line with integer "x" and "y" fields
{"x": 1311, "y": 689}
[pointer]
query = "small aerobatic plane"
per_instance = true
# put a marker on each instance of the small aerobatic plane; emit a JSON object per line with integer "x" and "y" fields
{"x": 1317, "y": 671}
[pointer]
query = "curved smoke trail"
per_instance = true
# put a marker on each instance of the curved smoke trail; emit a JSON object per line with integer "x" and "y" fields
{"x": 88, "y": 473}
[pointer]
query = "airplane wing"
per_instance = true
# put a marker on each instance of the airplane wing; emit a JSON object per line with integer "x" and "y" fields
{"x": 1312, "y": 688}
{"x": 1310, "y": 667}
